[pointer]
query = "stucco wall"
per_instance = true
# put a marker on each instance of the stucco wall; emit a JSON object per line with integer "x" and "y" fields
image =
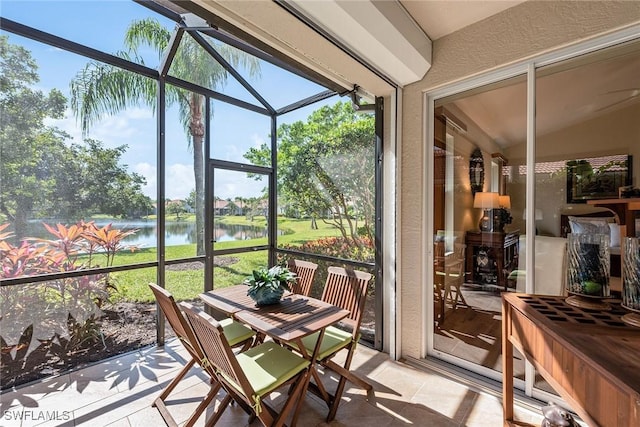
{"x": 519, "y": 33}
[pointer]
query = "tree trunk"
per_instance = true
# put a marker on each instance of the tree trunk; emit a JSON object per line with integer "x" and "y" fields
{"x": 20, "y": 225}
{"x": 196, "y": 128}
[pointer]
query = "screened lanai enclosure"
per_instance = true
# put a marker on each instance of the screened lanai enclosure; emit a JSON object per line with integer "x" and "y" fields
{"x": 141, "y": 143}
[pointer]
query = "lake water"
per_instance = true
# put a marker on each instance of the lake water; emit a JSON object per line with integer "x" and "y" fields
{"x": 176, "y": 233}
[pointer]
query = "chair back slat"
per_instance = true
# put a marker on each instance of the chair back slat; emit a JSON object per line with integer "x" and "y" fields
{"x": 347, "y": 289}
{"x": 216, "y": 348}
{"x": 305, "y": 271}
{"x": 176, "y": 320}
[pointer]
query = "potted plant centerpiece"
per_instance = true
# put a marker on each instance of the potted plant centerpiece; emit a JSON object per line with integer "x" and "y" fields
{"x": 267, "y": 285}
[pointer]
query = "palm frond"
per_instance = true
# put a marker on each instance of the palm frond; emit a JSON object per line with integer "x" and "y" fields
{"x": 100, "y": 89}
{"x": 240, "y": 59}
{"x": 147, "y": 32}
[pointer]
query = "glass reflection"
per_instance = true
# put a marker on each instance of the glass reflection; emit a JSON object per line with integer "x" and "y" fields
{"x": 476, "y": 175}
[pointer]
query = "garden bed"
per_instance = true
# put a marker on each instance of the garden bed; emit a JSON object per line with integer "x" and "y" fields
{"x": 125, "y": 327}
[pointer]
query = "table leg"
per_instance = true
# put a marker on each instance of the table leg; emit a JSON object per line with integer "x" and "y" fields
{"x": 312, "y": 372}
{"x": 502, "y": 282}
{"x": 507, "y": 366}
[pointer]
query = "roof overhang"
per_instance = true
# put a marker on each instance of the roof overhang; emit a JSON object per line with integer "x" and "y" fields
{"x": 381, "y": 34}
{"x": 274, "y": 29}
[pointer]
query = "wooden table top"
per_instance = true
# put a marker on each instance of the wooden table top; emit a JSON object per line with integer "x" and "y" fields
{"x": 294, "y": 317}
{"x": 228, "y": 300}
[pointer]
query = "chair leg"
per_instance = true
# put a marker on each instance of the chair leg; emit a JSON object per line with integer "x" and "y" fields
{"x": 203, "y": 406}
{"x": 448, "y": 296}
{"x": 159, "y": 402}
{"x": 174, "y": 382}
{"x": 460, "y": 295}
{"x": 439, "y": 296}
{"x": 296, "y": 398}
{"x": 345, "y": 374}
{"x": 319, "y": 386}
{"x": 453, "y": 293}
{"x": 348, "y": 375}
{"x": 213, "y": 419}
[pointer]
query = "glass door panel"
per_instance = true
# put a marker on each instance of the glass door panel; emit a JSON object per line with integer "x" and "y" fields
{"x": 586, "y": 127}
{"x": 479, "y": 193}
{"x": 240, "y": 223}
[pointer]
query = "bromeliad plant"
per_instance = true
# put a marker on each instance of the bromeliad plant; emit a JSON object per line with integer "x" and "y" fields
{"x": 67, "y": 308}
{"x": 267, "y": 285}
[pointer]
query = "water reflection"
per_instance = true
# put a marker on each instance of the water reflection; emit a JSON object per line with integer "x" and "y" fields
{"x": 176, "y": 233}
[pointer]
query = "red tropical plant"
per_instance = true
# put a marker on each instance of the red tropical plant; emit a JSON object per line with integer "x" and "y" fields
{"x": 43, "y": 310}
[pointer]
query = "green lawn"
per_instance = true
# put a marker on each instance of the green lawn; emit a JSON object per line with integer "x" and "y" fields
{"x": 187, "y": 284}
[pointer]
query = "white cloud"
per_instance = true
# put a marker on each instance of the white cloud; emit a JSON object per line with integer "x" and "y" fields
{"x": 257, "y": 140}
{"x": 230, "y": 184}
{"x": 149, "y": 172}
{"x": 120, "y": 126}
{"x": 111, "y": 130}
{"x": 67, "y": 124}
{"x": 137, "y": 113}
{"x": 135, "y": 127}
{"x": 179, "y": 181}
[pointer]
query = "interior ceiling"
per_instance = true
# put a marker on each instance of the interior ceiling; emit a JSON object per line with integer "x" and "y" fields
{"x": 564, "y": 98}
{"x": 575, "y": 94}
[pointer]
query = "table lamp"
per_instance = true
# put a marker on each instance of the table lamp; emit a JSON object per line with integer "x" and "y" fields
{"x": 504, "y": 201}
{"x": 486, "y": 201}
{"x": 501, "y": 216}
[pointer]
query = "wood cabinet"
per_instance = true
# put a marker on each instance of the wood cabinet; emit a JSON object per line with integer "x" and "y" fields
{"x": 589, "y": 357}
{"x": 491, "y": 256}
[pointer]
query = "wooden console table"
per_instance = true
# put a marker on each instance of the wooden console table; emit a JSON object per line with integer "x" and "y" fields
{"x": 499, "y": 255}
{"x": 589, "y": 357}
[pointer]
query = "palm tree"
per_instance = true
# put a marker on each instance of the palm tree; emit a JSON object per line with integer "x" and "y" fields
{"x": 100, "y": 89}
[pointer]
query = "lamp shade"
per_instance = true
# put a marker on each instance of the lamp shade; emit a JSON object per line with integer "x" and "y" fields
{"x": 486, "y": 200}
{"x": 505, "y": 201}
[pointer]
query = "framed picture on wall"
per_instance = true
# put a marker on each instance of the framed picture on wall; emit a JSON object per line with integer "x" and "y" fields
{"x": 476, "y": 171}
{"x": 597, "y": 177}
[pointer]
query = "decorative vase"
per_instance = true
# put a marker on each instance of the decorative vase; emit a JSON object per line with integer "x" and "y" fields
{"x": 631, "y": 280}
{"x": 588, "y": 270}
{"x": 267, "y": 285}
{"x": 266, "y": 296}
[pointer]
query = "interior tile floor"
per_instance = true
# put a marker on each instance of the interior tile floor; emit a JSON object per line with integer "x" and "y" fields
{"x": 120, "y": 391}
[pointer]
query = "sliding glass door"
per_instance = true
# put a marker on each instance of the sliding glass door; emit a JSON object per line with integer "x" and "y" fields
{"x": 501, "y": 191}
{"x": 476, "y": 238}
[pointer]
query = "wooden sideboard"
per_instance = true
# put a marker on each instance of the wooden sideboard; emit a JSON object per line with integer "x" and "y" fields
{"x": 589, "y": 357}
{"x": 491, "y": 254}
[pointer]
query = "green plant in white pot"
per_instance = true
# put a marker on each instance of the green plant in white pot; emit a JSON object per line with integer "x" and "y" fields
{"x": 267, "y": 285}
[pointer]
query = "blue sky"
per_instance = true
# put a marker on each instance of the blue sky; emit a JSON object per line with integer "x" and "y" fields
{"x": 101, "y": 25}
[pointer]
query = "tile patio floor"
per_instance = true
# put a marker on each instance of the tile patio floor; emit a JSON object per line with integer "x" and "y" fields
{"x": 119, "y": 392}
